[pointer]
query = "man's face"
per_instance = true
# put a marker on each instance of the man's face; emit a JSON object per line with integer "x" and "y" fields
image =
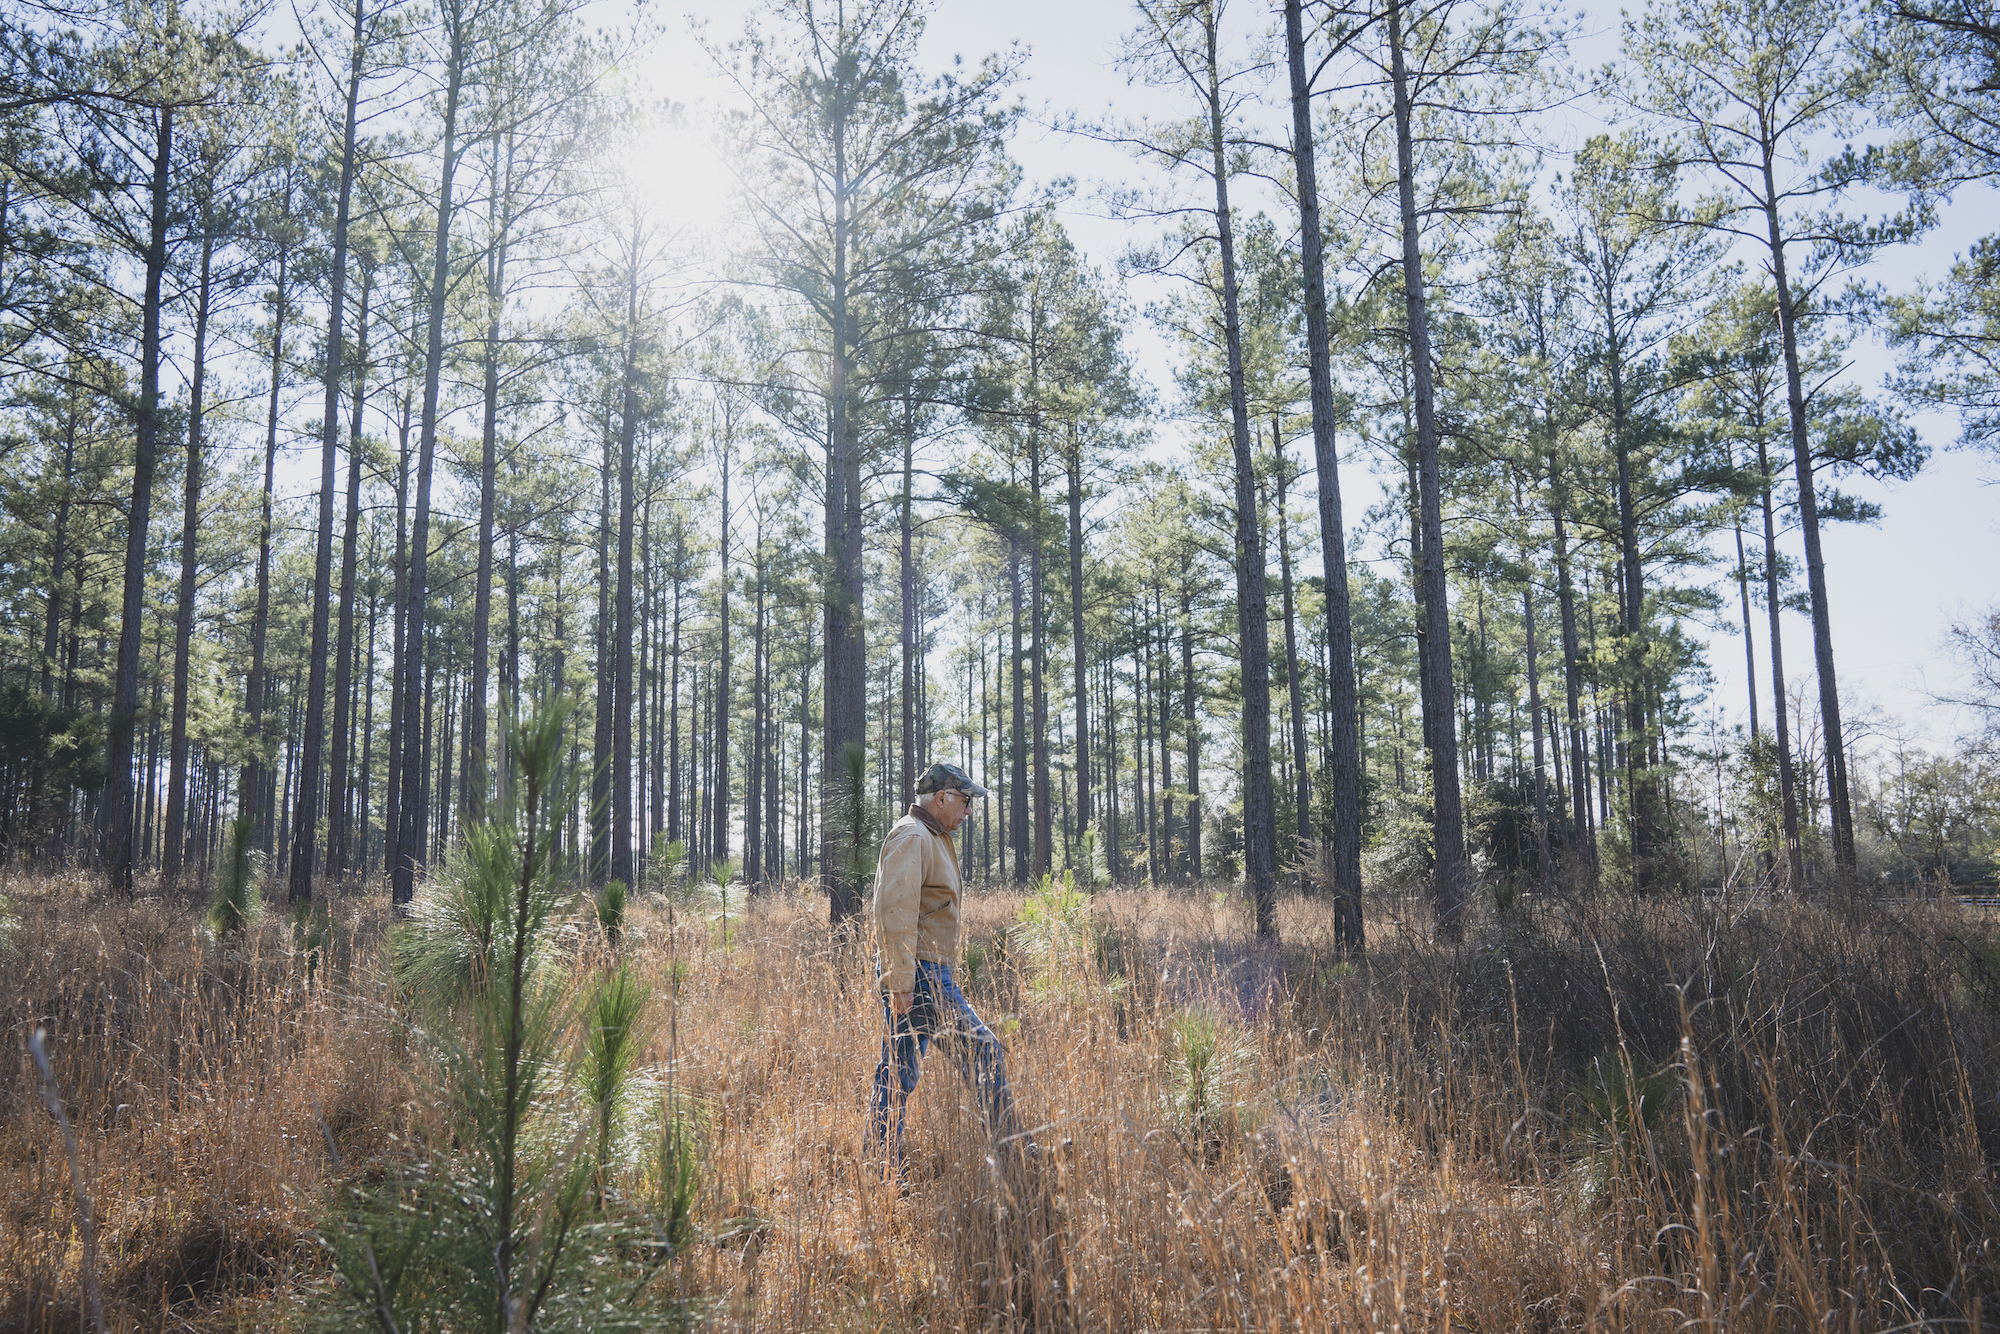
{"x": 949, "y": 808}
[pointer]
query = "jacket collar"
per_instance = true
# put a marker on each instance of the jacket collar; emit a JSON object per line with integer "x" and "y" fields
{"x": 926, "y": 819}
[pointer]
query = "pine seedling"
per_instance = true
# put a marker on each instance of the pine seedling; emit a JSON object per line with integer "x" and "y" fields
{"x": 312, "y": 932}
{"x": 721, "y": 875}
{"x": 667, "y": 867}
{"x": 235, "y": 902}
{"x": 614, "y": 1039}
{"x": 610, "y": 905}
{"x": 676, "y": 1179}
{"x": 857, "y": 814}
{"x": 505, "y": 1243}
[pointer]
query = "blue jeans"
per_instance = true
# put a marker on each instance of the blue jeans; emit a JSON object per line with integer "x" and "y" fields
{"x": 940, "y": 1012}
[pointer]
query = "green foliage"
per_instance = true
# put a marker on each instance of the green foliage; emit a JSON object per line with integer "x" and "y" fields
{"x": 1397, "y": 859}
{"x": 1619, "y": 1100}
{"x": 857, "y": 819}
{"x": 458, "y": 927}
{"x": 675, "y": 1182}
{"x": 45, "y": 752}
{"x": 1089, "y": 868}
{"x": 236, "y": 900}
{"x": 610, "y": 905}
{"x": 1061, "y": 943}
{"x": 498, "y": 1232}
{"x": 972, "y": 962}
{"x": 1205, "y": 1060}
{"x": 666, "y": 869}
{"x": 611, "y": 1041}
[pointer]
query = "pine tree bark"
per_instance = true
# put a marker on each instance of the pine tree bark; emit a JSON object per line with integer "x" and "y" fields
{"x": 305, "y": 806}
{"x": 722, "y": 690}
{"x": 255, "y": 778}
{"x": 605, "y": 720}
{"x": 119, "y": 844}
{"x": 339, "y": 806}
{"x": 1632, "y": 608}
{"x": 411, "y": 851}
{"x": 907, "y": 582}
{"x": 1535, "y": 715}
{"x": 1579, "y": 759}
{"x": 1795, "y": 862}
{"x": 1017, "y": 781}
{"x": 1294, "y": 684}
{"x": 500, "y": 203}
{"x": 173, "y": 852}
{"x": 1078, "y": 655}
{"x": 1252, "y": 606}
{"x": 1344, "y": 769}
{"x": 1448, "y": 823}
{"x": 1191, "y": 696}
{"x": 1840, "y": 809}
{"x": 758, "y": 759}
{"x": 392, "y": 809}
{"x": 1038, "y": 661}
{"x": 844, "y": 694}
{"x": 674, "y": 692}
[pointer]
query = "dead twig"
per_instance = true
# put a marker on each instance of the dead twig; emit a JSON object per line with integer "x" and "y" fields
{"x": 86, "y": 1224}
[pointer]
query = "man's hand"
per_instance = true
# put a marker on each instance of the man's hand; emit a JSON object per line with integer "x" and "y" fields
{"x": 899, "y": 1002}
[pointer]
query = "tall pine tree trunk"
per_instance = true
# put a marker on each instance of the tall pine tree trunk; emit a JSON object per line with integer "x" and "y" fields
{"x": 1788, "y": 792}
{"x": 392, "y": 809}
{"x": 1632, "y": 604}
{"x": 1017, "y": 779}
{"x": 1535, "y": 715}
{"x": 1344, "y": 769}
{"x": 339, "y": 810}
{"x": 1191, "y": 694}
{"x": 410, "y": 841}
{"x": 759, "y": 759}
{"x": 605, "y": 720}
{"x": 720, "y": 810}
{"x": 1294, "y": 685}
{"x": 1038, "y": 662}
{"x": 1840, "y": 808}
{"x": 1078, "y": 654}
{"x": 1253, "y": 629}
{"x": 259, "y": 811}
{"x": 305, "y": 820}
{"x": 907, "y": 582}
{"x": 845, "y": 692}
{"x": 119, "y": 845}
{"x": 174, "y": 850}
{"x": 500, "y": 201}
{"x": 1448, "y": 823}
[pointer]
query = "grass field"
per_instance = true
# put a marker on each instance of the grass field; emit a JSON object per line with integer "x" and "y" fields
{"x": 1587, "y": 1115}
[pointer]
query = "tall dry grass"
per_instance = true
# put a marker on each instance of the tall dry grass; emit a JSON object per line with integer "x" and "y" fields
{"x": 1588, "y": 1116}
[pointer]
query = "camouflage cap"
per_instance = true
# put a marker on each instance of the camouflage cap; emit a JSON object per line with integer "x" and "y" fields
{"x": 941, "y": 777}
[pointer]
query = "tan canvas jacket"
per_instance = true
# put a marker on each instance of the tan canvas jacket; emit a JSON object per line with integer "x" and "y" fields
{"x": 916, "y": 900}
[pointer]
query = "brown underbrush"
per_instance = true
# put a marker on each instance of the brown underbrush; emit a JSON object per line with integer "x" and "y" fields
{"x": 1587, "y": 1115}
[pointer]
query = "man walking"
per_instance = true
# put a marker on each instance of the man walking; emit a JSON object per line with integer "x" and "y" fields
{"x": 916, "y": 934}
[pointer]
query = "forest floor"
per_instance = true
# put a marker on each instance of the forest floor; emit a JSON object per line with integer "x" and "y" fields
{"x": 1585, "y": 1115}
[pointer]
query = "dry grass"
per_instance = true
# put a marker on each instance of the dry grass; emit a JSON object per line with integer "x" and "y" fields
{"x": 1586, "y": 1117}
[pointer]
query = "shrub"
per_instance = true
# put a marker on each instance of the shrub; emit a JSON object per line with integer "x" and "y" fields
{"x": 237, "y": 898}
{"x": 610, "y": 906}
{"x": 495, "y": 1232}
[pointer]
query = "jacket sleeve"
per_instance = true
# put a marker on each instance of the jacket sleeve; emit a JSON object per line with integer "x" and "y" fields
{"x": 899, "y": 895}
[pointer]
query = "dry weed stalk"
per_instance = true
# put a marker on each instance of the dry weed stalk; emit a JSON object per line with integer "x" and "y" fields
{"x": 1780, "y": 1121}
